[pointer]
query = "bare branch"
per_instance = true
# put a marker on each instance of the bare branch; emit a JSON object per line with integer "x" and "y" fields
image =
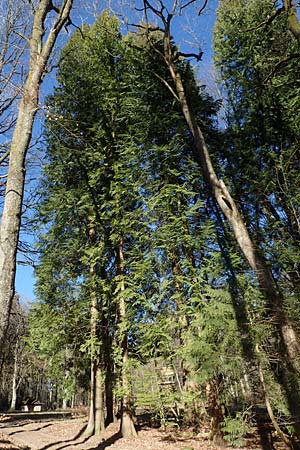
{"x": 3, "y": 157}
{"x": 167, "y": 85}
{"x": 197, "y": 56}
{"x": 202, "y": 8}
{"x": 186, "y": 4}
{"x": 190, "y": 3}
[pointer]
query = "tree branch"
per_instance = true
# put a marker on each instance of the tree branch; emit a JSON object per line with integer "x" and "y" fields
{"x": 198, "y": 56}
{"x": 280, "y": 64}
{"x": 167, "y": 85}
{"x": 268, "y": 20}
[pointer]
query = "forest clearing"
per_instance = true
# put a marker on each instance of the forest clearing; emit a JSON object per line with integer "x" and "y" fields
{"x": 149, "y": 177}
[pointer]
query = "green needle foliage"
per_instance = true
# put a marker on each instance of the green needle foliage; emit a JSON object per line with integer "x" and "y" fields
{"x": 257, "y": 58}
{"x": 121, "y": 177}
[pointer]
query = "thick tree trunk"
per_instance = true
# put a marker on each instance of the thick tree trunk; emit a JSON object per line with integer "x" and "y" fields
{"x": 292, "y": 18}
{"x": 127, "y": 427}
{"x": 215, "y": 411}
{"x": 109, "y": 380}
{"x": 11, "y": 216}
{"x": 230, "y": 211}
{"x": 229, "y": 208}
{"x": 89, "y": 431}
{"x": 99, "y": 407}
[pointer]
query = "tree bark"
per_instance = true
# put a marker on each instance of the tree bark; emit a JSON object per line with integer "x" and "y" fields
{"x": 96, "y": 415}
{"x": 292, "y": 18}
{"x": 40, "y": 52}
{"x": 109, "y": 377}
{"x": 99, "y": 407}
{"x": 89, "y": 431}
{"x": 127, "y": 427}
{"x": 13, "y": 403}
{"x": 230, "y": 210}
{"x": 215, "y": 411}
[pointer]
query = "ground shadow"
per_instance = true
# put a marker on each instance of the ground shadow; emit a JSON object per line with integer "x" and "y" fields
{"x": 77, "y": 436}
{"x": 66, "y": 444}
{"x": 35, "y": 429}
{"x": 265, "y": 436}
{"x": 108, "y": 442}
{"x": 12, "y": 445}
{"x": 70, "y": 443}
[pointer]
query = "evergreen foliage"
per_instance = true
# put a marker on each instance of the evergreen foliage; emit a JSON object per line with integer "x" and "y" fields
{"x": 139, "y": 276}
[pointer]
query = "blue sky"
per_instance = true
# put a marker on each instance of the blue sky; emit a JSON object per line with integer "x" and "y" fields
{"x": 195, "y": 31}
{"x": 25, "y": 282}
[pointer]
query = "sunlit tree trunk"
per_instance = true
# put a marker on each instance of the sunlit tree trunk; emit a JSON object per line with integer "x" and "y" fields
{"x": 99, "y": 406}
{"x": 96, "y": 415}
{"x": 15, "y": 383}
{"x": 283, "y": 326}
{"x": 91, "y": 421}
{"x": 229, "y": 208}
{"x": 40, "y": 51}
{"x": 127, "y": 417}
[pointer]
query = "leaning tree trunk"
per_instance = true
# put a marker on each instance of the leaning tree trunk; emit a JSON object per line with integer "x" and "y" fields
{"x": 127, "y": 427}
{"x": 231, "y": 212}
{"x": 283, "y": 326}
{"x": 40, "y": 51}
{"x": 293, "y": 22}
{"x": 229, "y": 208}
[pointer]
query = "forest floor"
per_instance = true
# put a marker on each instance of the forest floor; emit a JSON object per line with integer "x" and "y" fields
{"x": 37, "y": 434}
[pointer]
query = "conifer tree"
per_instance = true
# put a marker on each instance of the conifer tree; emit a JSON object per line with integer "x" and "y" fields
{"x": 116, "y": 199}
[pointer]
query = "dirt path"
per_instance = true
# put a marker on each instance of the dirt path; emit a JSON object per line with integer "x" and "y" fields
{"x": 66, "y": 435}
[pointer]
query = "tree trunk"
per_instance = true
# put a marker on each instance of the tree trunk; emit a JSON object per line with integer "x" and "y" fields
{"x": 215, "y": 411}
{"x": 292, "y": 18}
{"x": 96, "y": 415}
{"x": 14, "y": 383}
{"x": 99, "y": 409}
{"x": 12, "y": 209}
{"x": 284, "y": 330}
{"x": 127, "y": 427}
{"x": 109, "y": 380}
{"x": 229, "y": 208}
{"x": 89, "y": 431}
